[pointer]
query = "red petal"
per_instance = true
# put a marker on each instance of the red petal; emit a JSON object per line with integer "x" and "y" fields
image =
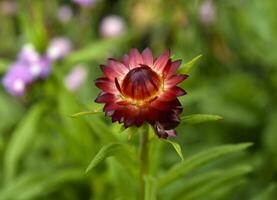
{"x": 178, "y": 91}
{"x": 105, "y": 98}
{"x": 161, "y": 61}
{"x": 130, "y": 115}
{"x": 174, "y": 80}
{"x": 147, "y": 57}
{"x": 117, "y": 116}
{"x": 161, "y": 105}
{"x": 167, "y": 95}
{"x": 135, "y": 59}
{"x": 106, "y": 85}
{"x": 171, "y": 68}
{"x": 110, "y": 107}
{"x": 152, "y": 115}
{"x": 117, "y": 66}
{"x": 126, "y": 60}
{"x": 111, "y": 73}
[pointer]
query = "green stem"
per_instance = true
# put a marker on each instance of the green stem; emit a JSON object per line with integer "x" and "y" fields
{"x": 143, "y": 161}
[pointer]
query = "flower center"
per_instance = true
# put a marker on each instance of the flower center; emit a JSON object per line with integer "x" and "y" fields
{"x": 141, "y": 84}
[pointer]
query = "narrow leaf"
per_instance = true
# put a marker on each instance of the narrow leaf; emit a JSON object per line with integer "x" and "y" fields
{"x": 35, "y": 184}
{"x": 186, "y": 68}
{"x": 199, "y": 118}
{"x": 177, "y": 148}
{"x": 198, "y": 160}
{"x": 268, "y": 193}
{"x": 150, "y": 188}
{"x": 192, "y": 184}
{"x": 105, "y": 152}
{"x": 21, "y": 138}
{"x": 228, "y": 177}
{"x": 94, "y": 51}
{"x": 85, "y": 113}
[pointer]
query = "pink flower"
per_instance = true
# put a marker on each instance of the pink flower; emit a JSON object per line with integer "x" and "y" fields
{"x": 112, "y": 26}
{"x": 76, "y": 77}
{"x": 58, "y": 48}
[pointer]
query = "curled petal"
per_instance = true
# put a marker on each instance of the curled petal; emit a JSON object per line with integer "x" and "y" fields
{"x": 135, "y": 59}
{"x": 175, "y": 80}
{"x": 106, "y": 85}
{"x": 105, "y": 98}
{"x": 147, "y": 57}
{"x": 111, "y": 72}
{"x": 117, "y": 66}
{"x": 171, "y": 68}
{"x": 172, "y": 94}
{"x": 161, "y": 61}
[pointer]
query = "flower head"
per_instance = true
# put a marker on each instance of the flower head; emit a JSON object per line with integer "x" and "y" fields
{"x": 142, "y": 89}
{"x": 17, "y": 79}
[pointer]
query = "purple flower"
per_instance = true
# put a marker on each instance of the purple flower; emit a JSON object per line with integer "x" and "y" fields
{"x": 39, "y": 66}
{"x": 112, "y": 26}
{"x": 16, "y": 79}
{"x": 84, "y": 2}
{"x": 58, "y": 48}
{"x": 28, "y": 54}
{"x": 76, "y": 77}
{"x": 29, "y": 66}
{"x": 65, "y": 14}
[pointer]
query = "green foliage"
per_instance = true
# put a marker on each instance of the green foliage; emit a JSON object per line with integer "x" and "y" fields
{"x": 199, "y": 118}
{"x": 45, "y": 147}
{"x": 150, "y": 188}
{"x": 105, "y": 151}
{"x": 177, "y": 148}
{"x": 198, "y": 161}
{"x": 21, "y": 139}
{"x": 84, "y": 113}
{"x": 187, "y": 67}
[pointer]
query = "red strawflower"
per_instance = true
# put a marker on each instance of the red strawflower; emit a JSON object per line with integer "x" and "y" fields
{"x": 140, "y": 89}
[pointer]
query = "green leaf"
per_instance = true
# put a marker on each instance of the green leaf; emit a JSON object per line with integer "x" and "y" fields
{"x": 268, "y": 193}
{"x": 177, "y": 148}
{"x": 21, "y": 138}
{"x": 35, "y": 184}
{"x": 84, "y": 113}
{"x": 198, "y": 160}
{"x": 199, "y": 118}
{"x": 105, "y": 152}
{"x": 186, "y": 68}
{"x": 122, "y": 181}
{"x": 93, "y": 51}
{"x": 150, "y": 188}
{"x": 4, "y": 65}
{"x": 229, "y": 176}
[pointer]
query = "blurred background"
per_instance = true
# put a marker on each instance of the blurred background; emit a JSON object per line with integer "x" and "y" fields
{"x": 50, "y": 53}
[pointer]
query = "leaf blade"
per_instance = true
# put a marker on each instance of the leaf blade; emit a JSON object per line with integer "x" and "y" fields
{"x": 187, "y": 67}
{"x": 20, "y": 140}
{"x": 150, "y": 188}
{"x": 199, "y": 118}
{"x": 198, "y": 160}
{"x": 105, "y": 152}
{"x": 177, "y": 148}
{"x": 85, "y": 113}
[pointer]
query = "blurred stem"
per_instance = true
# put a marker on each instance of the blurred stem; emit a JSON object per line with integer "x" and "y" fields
{"x": 143, "y": 160}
